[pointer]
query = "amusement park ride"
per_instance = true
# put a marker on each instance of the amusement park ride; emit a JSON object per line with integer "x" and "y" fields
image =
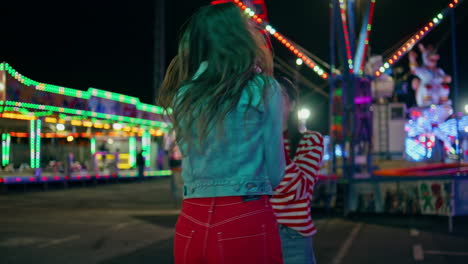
{"x": 359, "y": 87}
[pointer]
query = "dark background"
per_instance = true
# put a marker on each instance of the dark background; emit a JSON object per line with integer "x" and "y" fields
{"x": 109, "y": 44}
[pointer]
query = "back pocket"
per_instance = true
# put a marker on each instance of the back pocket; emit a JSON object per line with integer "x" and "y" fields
{"x": 182, "y": 245}
{"x": 243, "y": 248}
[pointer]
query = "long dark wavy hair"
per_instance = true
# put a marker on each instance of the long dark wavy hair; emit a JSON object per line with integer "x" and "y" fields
{"x": 234, "y": 50}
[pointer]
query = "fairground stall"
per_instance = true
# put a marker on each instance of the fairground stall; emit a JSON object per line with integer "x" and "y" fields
{"x": 52, "y": 133}
{"x": 371, "y": 129}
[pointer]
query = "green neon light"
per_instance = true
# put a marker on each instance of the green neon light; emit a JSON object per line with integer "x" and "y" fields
{"x": 90, "y": 114}
{"x": 339, "y": 92}
{"x": 132, "y": 150}
{"x": 2, "y": 66}
{"x": 32, "y": 143}
{"x": 158, "y": 173}
{"x": 82, "y": 94}
{"x": 93, "y": 145}
{"x": 146, "y": 147}
{"x": 4, "y": 149}
{"x": 8, "y": 146}
{"x": 38, "y": 143}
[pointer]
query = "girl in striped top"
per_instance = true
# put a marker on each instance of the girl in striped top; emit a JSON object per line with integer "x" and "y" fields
{"x": 292, "y": 198}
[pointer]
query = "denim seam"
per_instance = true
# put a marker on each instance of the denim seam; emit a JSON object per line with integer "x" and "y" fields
{"x": 194, "y": 220}
{"x": 224, "y": 221}
{"x": 239, "y": 217}
{"x": 216, "y": 205}
{"x": 232, "y": 238}
{"x": 187, "y": 246}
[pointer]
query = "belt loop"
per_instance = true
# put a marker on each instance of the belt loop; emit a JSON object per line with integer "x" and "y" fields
{"x": 213, "y": 202}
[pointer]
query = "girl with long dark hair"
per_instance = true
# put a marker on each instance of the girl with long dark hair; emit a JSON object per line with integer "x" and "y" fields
{"x": 227, "y": 120}
{"x": 292, "y": 198}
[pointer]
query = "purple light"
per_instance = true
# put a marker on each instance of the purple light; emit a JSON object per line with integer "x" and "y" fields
{"x": 363, "y": 100}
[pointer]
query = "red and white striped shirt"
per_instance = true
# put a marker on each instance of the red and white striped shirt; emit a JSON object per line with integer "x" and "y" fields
{"x": 292, "y": 197}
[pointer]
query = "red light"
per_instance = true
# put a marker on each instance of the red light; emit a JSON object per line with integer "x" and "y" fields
{"x": 426, "y": 28}
{"x": 295, "y": 51}
{"x": 431, "y": 24}
{"x": 243, "y": 7}
{"x": 455, "y": 1}
{"x": 18, "y": 179}
{"x": 325, "y": 76}
{"x": 390, "y": 61}
{"x": 44, "y": 178}
{"x": 78, "y": 177}
{"x": 255, "y": 17}
{"x": 67, "y": 178}
{"x": 408, "y": 45}
{"x": 288, "y": 45}
{"x": 421, "y": 32}
{"x": 280, "y": 38}
{"x": 97, "y": 176}
{"x": 259, "y": 20}
{"x": 299, "y": 55}
{"x": 308, "y": 61}
{"x": 56, "y": 178}
{"x": 451, "y": 5}
{"x": 88, "y": 177}
{"x": 377, "y": 73}
{"x": 276, "y": 35}
{"x": 399, "y": 53}
{"x": 395, "y": 57}
{"x": 236, "y": 1}
{"x": 413, "y": 41}
{"x": 32, "y": 179}
{"x": 404, "y": 49}
{"x": 283, "y": 41}
{"x": 417, "y": 37}
{"x": 291, "y": 48}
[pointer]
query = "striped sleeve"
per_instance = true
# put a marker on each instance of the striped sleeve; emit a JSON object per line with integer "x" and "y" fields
{"x": 301, "y": 173}
{"x": 309, "y": 155}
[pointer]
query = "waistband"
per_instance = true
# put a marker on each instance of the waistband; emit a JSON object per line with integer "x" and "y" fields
{"x": 223, "y": 200}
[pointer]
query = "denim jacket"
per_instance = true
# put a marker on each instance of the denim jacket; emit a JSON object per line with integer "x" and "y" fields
{"x": 247, "y": 158}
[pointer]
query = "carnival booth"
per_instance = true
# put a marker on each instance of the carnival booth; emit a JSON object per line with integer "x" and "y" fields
{"x": 53, "y": 133}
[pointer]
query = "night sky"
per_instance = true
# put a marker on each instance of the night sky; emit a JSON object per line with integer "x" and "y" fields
{"x": 109, "y": 44}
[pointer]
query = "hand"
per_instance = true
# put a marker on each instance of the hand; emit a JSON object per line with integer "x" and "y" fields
{"x": 447, "y": 79}
{"x": 421, "y": 48}
{"x": 412, "y": 55}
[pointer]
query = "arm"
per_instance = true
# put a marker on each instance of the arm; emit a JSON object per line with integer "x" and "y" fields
{"x": 309, "y": 155}
{"x": 301, "y": 173}
{"x": 413, "y": 64}
{"x": 272, "y": 132}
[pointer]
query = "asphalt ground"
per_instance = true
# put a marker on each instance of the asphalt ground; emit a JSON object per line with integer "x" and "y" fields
{"x": 134, "y": 223}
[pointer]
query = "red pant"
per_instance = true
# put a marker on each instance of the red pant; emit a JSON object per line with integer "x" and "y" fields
{"x": 225, "y": 230}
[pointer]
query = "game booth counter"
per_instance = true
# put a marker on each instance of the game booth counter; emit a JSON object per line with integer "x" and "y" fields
{"x": 51, "y": 133}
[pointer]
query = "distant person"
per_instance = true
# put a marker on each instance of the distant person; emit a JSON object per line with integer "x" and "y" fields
{"x": 140, "y": 162}
{"x": 175, "y": 164}
{"x": 293, "y": 197}
{"x": 227, "y": 119}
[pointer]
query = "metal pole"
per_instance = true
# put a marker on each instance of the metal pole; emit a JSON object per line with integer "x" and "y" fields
{"x": 455, "y": 79}
{"x": 455, "y": 105}
{"x": 159, "y": 46}
{"x": 332, "y": 141}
